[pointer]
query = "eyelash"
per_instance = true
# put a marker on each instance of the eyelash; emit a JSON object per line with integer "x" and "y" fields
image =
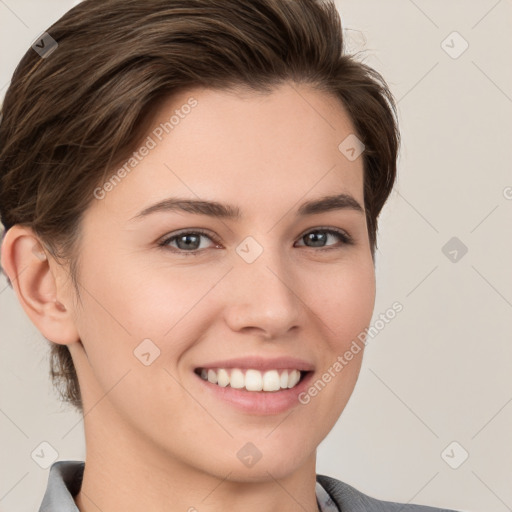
{"x": 344, "y": 237}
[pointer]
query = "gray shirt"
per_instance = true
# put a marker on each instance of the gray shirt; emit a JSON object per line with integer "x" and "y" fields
{"x": 65, "y": 480}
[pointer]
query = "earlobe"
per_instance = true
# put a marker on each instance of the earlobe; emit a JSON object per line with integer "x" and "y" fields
{"x": 28, "y": 268}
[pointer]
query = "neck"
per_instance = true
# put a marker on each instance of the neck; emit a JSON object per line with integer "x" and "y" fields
{"x": 125, "y": 471}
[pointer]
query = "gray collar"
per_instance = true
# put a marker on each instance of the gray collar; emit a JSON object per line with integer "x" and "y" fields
{"x": 65, "y": 480}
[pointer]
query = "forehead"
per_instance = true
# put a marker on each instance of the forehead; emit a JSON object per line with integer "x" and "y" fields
{"x": 242, "y": 147}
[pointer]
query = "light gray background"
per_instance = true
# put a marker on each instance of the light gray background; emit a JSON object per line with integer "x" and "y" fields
{"x": 441, "y": 370}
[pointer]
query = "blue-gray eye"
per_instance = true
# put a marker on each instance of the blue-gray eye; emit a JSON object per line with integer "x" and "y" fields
{"x": 189, "y": 242}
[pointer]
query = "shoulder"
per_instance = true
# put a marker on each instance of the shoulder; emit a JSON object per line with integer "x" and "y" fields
{"x": 349, "y": 499}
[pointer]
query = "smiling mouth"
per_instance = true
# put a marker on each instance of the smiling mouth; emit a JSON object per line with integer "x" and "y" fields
{"x": 248, "y": 379}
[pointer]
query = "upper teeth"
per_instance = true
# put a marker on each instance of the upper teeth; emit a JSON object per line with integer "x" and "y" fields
{"x": 252, "y": 380}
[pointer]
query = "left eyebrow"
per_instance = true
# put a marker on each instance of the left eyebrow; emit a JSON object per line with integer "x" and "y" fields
{"x": 227, "y": 211}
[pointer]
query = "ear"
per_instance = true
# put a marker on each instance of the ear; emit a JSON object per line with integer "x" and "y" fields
{"x": 39, "y": 287}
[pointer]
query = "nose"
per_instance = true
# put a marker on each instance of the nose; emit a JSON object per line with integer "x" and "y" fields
{"x": 262, "y": 297}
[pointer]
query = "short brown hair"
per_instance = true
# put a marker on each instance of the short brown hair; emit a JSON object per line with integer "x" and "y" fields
{"x": 70, "y": 117}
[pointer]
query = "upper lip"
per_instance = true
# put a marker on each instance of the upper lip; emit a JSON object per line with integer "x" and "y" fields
{"x": 261, "y": 363}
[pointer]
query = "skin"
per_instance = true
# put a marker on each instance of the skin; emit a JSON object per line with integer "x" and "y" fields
{"x": 155, "y": 441}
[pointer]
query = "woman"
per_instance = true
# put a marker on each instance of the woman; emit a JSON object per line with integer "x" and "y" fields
{"x": 190, "y": 192}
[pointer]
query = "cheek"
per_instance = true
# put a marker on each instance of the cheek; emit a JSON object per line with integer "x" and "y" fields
{"x": 171, "y": 303}
{"x": 345, "y": 301}
{"x": 170, "y": 307}
{"x": 147, "y": 299}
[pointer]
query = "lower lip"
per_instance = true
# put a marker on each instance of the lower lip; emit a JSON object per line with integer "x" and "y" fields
{"x": 259, "y": 402}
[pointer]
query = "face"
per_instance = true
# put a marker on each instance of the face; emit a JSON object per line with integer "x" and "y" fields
{"x": 199, "y": 288}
